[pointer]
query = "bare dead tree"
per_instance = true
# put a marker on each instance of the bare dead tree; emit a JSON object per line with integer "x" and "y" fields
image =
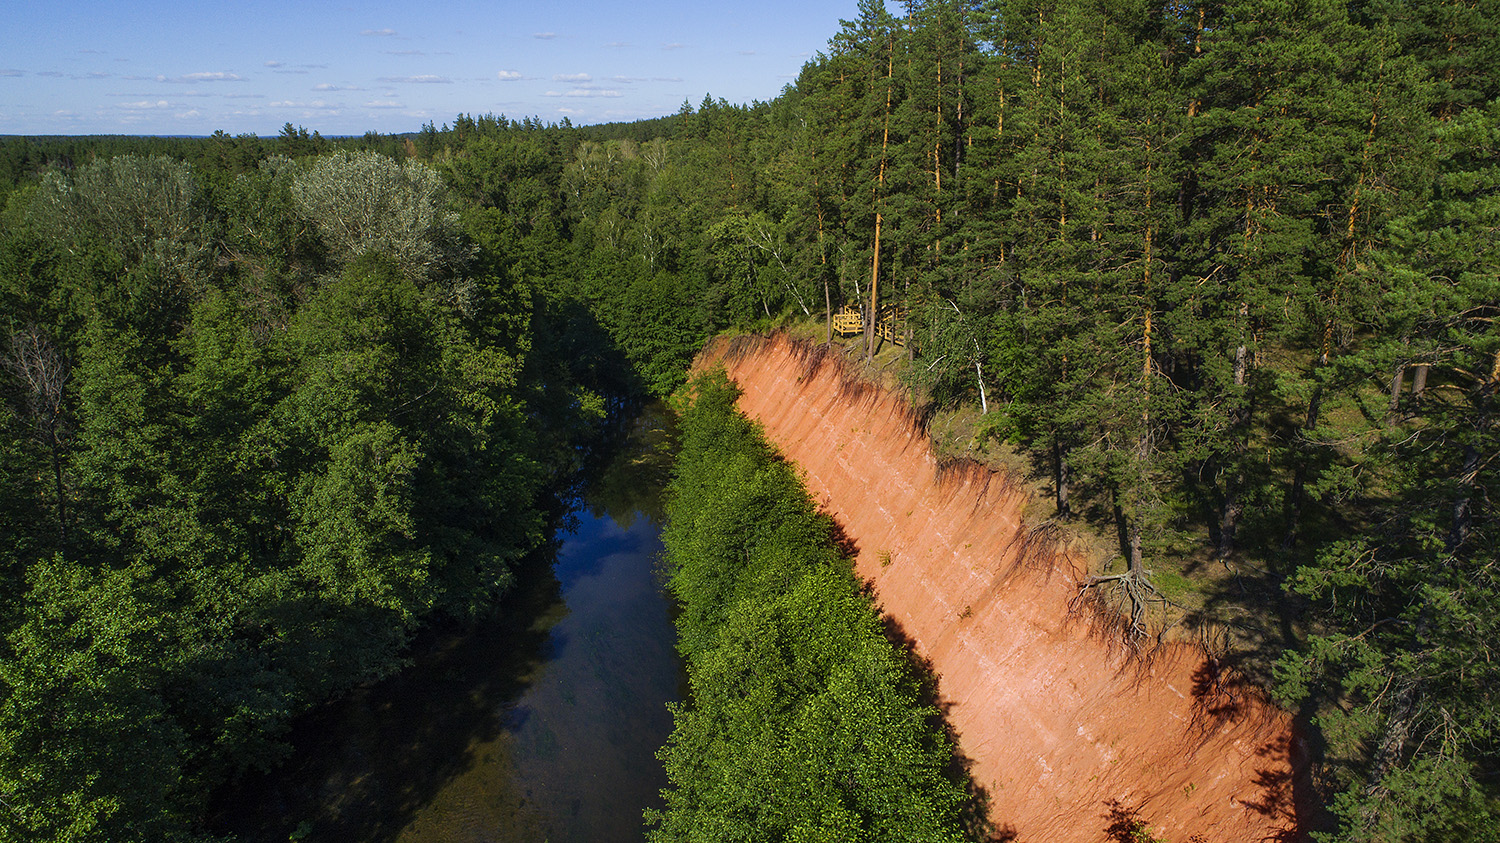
{"x": 34, "y": 359}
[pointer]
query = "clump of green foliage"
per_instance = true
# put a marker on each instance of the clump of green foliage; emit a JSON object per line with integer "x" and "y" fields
{"x": 805, "y": 721}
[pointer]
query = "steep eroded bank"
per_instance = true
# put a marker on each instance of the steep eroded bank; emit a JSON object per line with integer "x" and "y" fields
{"x": 1071, "y": 736}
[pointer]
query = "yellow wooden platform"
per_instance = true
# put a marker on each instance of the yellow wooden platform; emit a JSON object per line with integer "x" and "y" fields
{"x": 847, "y": 322}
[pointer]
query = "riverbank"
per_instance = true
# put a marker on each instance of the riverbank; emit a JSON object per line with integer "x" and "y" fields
{"x": 539, "y": 721}
{"x": 1071, "y": 734}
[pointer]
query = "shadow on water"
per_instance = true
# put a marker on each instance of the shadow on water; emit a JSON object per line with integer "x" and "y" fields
{"x": 628, "y": 482}
{"x": 365, "y": 766}
{"x": 540, "y": 723}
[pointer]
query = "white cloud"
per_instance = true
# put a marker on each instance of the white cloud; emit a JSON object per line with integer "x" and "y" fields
{"x": 315, "y": 104}
{"x": 328, "y": 86}
{"x": 545, "y": 36}
{"x": 426, "y": 80}
{"x": 10, "y": 71}
{"x": 145, "y": 105}
{"x": 572, "y": 77}
{"x": 51, "y": 74}
{"x": 216, "y": 76}
{"x": 383, "y": 104}
{"x": 584, "y": 92}
{"x": 205, "y": 76}
{"x": 378, "y": 33}
{"x": 188, "y": 115}
{"x": 403, "y": 52}
{"x": 274, "y": 64}
{"x": 509, "y": 75}
{"x": 675, "y": 45}
{"x": 617, "y": 44}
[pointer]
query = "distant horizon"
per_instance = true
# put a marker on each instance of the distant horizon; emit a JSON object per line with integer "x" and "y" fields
{"x": 441, "y": 125}
{"x": 163, "y": 69}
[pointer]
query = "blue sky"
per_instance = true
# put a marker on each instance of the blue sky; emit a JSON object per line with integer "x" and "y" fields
{"x": 168, "y": 68}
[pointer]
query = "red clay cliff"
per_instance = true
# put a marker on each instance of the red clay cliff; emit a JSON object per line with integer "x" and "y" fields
{"x": 1072, "y": 736}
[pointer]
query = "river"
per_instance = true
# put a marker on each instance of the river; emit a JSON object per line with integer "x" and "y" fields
{"x": 540, "y": 724}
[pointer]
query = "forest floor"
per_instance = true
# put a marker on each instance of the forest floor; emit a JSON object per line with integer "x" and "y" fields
{"x": 1236, "y": 608}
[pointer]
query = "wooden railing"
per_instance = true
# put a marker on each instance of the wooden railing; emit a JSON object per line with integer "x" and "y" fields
{"x": 847, "y": 322}
{"x": 891, "y": 327}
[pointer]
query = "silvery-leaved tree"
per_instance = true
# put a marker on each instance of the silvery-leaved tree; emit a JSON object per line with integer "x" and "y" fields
{"x": 144, "y": 209}
{"x": 364, "y": 202}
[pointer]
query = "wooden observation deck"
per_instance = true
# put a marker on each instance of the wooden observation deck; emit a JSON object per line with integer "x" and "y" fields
{"x": 848, "y": 322}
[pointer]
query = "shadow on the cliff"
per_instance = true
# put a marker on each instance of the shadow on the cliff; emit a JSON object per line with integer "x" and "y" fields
{"x": 1287, "y": 789}
{"x": 974, "y": 815}
{"x": 1284, "y": 787}
{"x": 842, "y": 541}
{"x": 1221, "y": 694}
{"x": 1253, "y": 621}
{"x": 1127, "y": 826}
{"x": 1126, "y": 823}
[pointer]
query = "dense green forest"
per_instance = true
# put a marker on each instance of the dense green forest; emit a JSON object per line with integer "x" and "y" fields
{"x": 261, "y": 425}
{"x": 1227, "y": 272}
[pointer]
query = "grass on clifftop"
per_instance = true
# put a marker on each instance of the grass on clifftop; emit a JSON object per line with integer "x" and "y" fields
{"x": 1235, "y": 608}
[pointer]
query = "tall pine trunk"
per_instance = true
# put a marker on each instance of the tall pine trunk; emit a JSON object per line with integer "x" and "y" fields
{"x": 1060, "y": 476}
{"x": 1468, "y": 473}
{"x": 1296, "y": 498}
{"x": 1239, "y": 428}
{"x": 885, "y": 141}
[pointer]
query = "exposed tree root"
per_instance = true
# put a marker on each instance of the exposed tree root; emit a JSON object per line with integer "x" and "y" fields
{"x": 1134, "y": 594}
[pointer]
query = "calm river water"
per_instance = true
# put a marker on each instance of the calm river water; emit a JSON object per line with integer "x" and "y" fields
{"x": 540, "y": 725}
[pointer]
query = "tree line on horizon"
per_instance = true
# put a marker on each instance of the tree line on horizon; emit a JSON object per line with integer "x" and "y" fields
{"x": 1228, "y": 272}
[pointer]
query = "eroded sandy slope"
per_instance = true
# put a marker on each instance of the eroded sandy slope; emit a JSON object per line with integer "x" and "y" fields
{"x": 1067, "y": 731}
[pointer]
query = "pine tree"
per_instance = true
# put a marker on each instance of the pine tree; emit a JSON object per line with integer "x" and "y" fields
{"x": 1285, "y": 189}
